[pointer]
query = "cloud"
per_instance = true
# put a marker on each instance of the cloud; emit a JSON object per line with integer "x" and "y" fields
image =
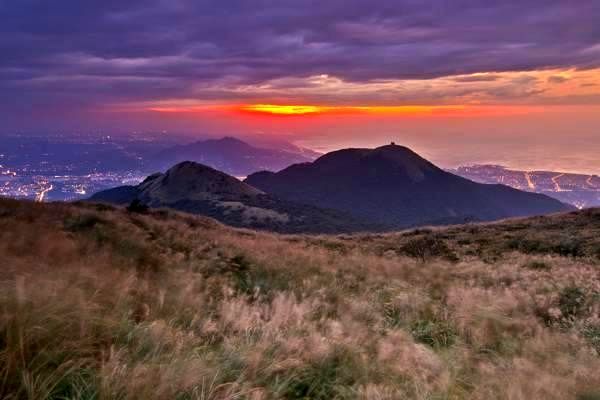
{"x": 557, "y": 79}
{"x": 111, "y": 51}
{"x": 477, "y": 78}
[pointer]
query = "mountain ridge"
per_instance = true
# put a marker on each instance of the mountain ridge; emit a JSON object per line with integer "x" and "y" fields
{"x": 199, "y": 189}
{"x": 392, "y": 184}
{"x": 232, "y": 156}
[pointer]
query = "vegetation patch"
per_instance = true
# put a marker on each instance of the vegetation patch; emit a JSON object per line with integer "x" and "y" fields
{"x": 434, "y": 332}
{"x": 591, "y": 332}
{"x": 103, "y": 304}
{"x": 329, "y": 378}
{"x": 572, "y": 301}
{"x": 589, "y": 396}
{"x": 426, "y": 247}
{"x": 563, "y": 246}
{"x": 537, "y": 265}
{"x": 138, "y": 207}
{"x": 82, "y": 222}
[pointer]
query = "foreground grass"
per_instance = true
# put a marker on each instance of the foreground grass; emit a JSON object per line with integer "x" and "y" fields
{"x": 100, "y": 303}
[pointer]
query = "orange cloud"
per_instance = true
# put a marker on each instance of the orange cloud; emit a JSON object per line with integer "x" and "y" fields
{"x": 299, "y": 110}
{"x": 284, "y": 109}
{"x": 404, "y": 110}
{"x": 276, "y": 109}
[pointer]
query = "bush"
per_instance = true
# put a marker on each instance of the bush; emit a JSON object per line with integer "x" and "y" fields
{"x": 537, "y": 265}
{"x": 425, "y": 247}
{"x": 591, "y": 333}
{"x": 571, "y": 302}
{"x": 392, "y": 315}
{"x": 250, "y": 278}
{"x": 589, "y": 396}
{"x": 434, "y": 332}
{"x": 104, "y": 207}
{"x": 81, "y": 222}
{"x": 566, "y": 247}
{"x": 328, "y": 378}
{"x": 570, "y": 247}
{"x": 136, "y": 206}
{"x": 528, "y": 246}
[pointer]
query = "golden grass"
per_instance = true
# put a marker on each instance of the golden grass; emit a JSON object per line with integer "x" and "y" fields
{"x": 99, "y": 303}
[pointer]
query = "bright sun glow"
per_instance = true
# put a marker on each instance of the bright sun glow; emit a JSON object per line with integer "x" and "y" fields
{"x": 308, "y": 110}
{"x": 275, "y": 109}
{"x": 283, "y": 109}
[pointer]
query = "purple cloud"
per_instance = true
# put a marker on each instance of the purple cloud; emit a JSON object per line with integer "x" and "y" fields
{"x": 77, "y": 52}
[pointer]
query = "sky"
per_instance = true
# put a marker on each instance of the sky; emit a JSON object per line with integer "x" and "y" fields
{"x": 513, "y": 82}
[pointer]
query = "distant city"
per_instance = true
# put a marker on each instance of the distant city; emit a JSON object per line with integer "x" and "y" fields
{"x": 69, "y": 168}
{"x": 578, "y": 189}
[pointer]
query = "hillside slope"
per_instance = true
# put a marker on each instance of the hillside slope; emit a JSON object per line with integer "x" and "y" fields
{"x": 98, "y": 302}
{"x": 199, "y": 189}
{"x": 392, "y": 185}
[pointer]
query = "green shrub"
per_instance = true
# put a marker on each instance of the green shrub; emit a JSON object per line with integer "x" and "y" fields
{"x": 325, "y": 379}
{"x": 589, "y": 396}
{"x": 571, "y": 302}
{"x": 537, "y": 265}
{"x": 566, "y": 247}
{"x": 81, "y": 222}
{"x": 250, "y": 278}
{"x": 571, "y": 247}
{"x": 591, "y": 333}
{"x": 392, "y": 315}
{"x": 426, "y": 247}
{"x": 104, "y": 207}
{"x": 528, "y": 246}
{"x": 136, "y": 206}
{"x": 434, "y": 332}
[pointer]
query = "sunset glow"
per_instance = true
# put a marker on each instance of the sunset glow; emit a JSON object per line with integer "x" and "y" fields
{"x": 275, "y": 109}
{"x": 284, "y": 109}
{"x": 330, "y": 75}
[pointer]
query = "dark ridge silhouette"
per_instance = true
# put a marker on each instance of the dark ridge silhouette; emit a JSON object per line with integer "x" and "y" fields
{"x": 394, "y": 186}
{"x": 199, "y": 189}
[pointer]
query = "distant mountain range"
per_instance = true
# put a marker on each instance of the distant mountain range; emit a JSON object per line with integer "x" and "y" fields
{"x": 234, "y": 156}
{"x": 386, "y": 188}
{"x": 579, "y": 190}
{"x": 394, "y": 186}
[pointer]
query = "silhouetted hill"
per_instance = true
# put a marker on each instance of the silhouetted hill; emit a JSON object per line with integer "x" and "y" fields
{"x": 393, "y": 185}
{"x": 232, "y": 156}
{"x": 199, "y": 189}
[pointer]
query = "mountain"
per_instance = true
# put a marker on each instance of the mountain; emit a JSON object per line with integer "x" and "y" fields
{"x": 394, "y": 186}
{"x": 199, "y": 189}
{"x": 270, "y": 142}
{"x": 233, "y": 156}
{"x": 580, "y": 190}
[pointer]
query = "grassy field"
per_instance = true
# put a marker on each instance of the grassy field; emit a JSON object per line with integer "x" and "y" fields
{"x": 100, "y": 303}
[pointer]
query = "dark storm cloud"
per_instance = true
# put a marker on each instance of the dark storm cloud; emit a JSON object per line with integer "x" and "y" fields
{"x": 112, "y": 50}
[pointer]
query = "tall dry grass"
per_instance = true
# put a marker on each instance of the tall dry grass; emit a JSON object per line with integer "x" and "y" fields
{"x": 99, "y": 303}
